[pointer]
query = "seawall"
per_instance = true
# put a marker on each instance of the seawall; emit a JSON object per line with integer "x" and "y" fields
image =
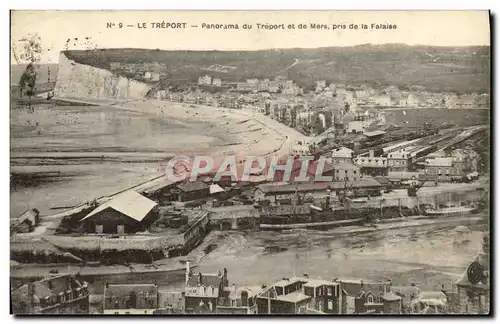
{"x": 75, "y": 80}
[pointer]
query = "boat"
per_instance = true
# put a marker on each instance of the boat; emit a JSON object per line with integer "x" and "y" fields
{"x": 450, "y": 211}
{"x": 313, "y": 225}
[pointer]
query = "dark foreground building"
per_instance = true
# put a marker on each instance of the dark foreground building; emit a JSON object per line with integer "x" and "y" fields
{"x": 62, "y": 294}
{"x": 128, "y": 212}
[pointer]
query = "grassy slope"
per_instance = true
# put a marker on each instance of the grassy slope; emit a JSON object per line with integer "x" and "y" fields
{"x": 462, "y": 69}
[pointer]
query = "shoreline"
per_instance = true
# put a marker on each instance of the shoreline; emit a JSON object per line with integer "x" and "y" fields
{"x": 31, "y": 270}
{"x": 257, "y": 139}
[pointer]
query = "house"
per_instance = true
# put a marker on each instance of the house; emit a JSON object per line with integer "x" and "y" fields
{"x": 364, "y": 297}
{"x": 63, "y": 294}
{"x": 203, "y": 291}
{"x": 134, "y": 299}
{"x": 299, "y": 295}
{"x": 342, "y": 155}
{"x": 27, "y": 221}
{"x": 464, "y": 161}
{"x": 205, "y": 80}
{"x": 346, "y": 172}
{"x": 474, "y": 284}
{"x": 399, "y": 160}
{"x": 193, "y": 190}
{"x": 128, "y": 212}
{"x": 236, "y": 300}
{"x": 440, "y": 167}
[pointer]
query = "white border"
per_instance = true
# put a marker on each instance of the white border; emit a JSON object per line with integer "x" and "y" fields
{"x": 192, "y": 4}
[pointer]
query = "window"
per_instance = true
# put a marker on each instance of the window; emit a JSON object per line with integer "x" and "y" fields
{"x": 369, "y": 299}
{"x": 330, "y": 291}
{"x": 354, "y": 171}
{"x": 330, "y": 305}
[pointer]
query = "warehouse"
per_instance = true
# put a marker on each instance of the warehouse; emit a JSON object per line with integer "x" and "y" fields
{"x": 128, "y": 212}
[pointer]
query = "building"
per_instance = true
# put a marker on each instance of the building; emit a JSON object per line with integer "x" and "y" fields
{"x": 245, "y": 87}
{"x": 205, "y": 80}
{"x": 128, "y": 212}
{"x": 371, "y": 165}
{"x": 26, "y": 222}
{"x": 297, "y": 295}
{"x": 441, "y": 168}
{"x": 474, "y": 285}
{"x": 464, "y": 161}
{"x": 155, "y": 77}
{"x": 133, "y": 299}
{"x": 63, "y": 294}
{"x": 346, "y": 172}
{"x": 358, "y": 124}
{"x": 193, "y": 190}
{"x": 203, "y": 291}
{"x": 320, "y": 85}
{"x": 234, "y": 217}
{"x": 342, "y": 155}
{"x": 217, "y": 82}
{"x": 383, "y": 101}
{"x": 399, "y": 160}
{"x": 370, "y": 297}
{"x": 238, "y": 300}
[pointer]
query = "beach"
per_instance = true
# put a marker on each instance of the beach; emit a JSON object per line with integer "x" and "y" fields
{"x": 62, "y": 156}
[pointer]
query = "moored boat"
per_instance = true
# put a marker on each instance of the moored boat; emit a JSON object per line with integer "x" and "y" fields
{"x": 450, "y": 211}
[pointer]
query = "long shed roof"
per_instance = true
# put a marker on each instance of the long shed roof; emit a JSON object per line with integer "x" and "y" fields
{"x": 129, "y": 203}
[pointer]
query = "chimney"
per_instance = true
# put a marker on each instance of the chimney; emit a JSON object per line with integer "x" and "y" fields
{"x": 389, "y": 285}
{"x": 200, "y": 278}
{"x": 362, "y": 286}
{"x": 187, "y": 271}
{"x": 305, "y": 275}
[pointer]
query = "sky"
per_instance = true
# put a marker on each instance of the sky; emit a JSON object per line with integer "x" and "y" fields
{"x": 436, "y": 28}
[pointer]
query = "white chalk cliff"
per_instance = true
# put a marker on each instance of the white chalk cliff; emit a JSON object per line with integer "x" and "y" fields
{"x": 75, "y": 80}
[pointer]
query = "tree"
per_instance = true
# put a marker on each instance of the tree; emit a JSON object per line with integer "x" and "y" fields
{"x": 28, "y": 80}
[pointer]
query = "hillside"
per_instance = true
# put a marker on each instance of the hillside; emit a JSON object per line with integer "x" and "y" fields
{"x": 460, "y": 69}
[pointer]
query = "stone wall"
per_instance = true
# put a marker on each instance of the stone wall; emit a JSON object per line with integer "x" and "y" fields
{"x": 75, "y": 80}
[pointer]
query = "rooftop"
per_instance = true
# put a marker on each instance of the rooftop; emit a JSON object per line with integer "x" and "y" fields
{"x": 344, "y": 166}
{"x": 294, "y": 297}
{"x": 124, "y": 290}
{"x": 374, "y": 133}
{"x": 129, "y": 203}
{"x": 192, "y": 186}
{"x": 207, "y": 279}
{"x": 390, "y": 296}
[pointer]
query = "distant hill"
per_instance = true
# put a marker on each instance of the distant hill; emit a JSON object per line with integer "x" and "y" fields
{"x": 459, "y": 69}
{"x": 17, "y": 70}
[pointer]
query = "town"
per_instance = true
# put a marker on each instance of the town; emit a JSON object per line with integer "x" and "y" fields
{"x": 277, "y": 176}
{"x": 380, "y": 177}
{"x": 213, "y": 293}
